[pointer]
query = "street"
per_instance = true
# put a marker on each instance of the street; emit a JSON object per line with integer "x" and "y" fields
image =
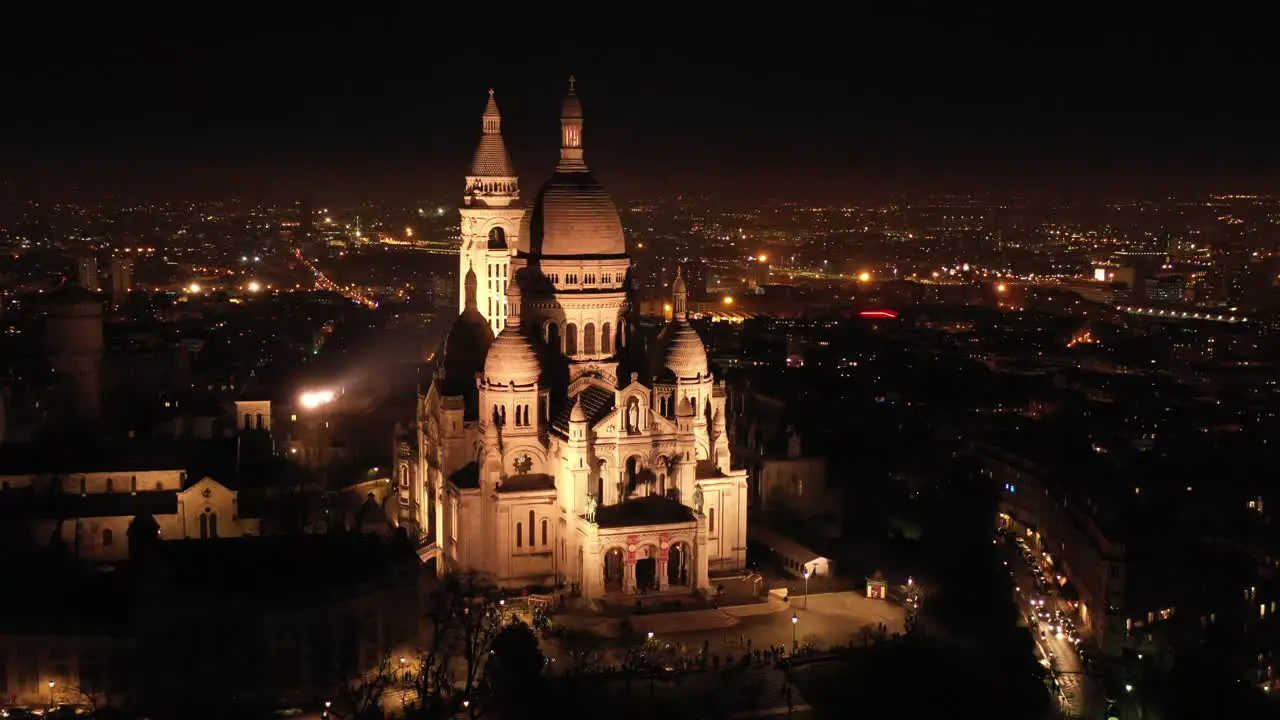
{"x": 1051, "y": 624}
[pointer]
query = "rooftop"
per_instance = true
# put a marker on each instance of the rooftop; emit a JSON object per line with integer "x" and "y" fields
{"x": 651, "y": 510}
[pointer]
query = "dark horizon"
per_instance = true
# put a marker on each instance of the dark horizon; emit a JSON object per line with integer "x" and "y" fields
{"x": 989, "y": 110}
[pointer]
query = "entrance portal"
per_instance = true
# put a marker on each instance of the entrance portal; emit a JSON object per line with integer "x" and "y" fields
{"x": 647, "y": 569}
{"x": 678, "y": 564}
{"x": 646, "y": 574}
{"x": 613, "y": 569}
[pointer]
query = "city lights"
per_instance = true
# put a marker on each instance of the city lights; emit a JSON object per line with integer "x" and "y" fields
{"x": 316, "y": 398}
{"x": 254, "y": 286}
{"x": 193, "y": 288}
{"x": 728, "y": 300}
{"x": 864, "y": 276}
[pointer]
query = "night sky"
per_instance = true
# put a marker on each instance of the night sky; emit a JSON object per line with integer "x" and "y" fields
{"x": 390, "y": 108}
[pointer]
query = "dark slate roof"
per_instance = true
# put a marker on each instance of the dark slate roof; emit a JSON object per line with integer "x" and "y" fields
{"x": 651, "y": 510}
{"x": 279, "y": 567}
{"x": 37, "y": 457}
{"x": 526, "y": 483}
{"x": 596, "y": 401}
{"x": 467, "y": 477}
{"x": 707, "y": 469}
{"x": 75, "y": 505}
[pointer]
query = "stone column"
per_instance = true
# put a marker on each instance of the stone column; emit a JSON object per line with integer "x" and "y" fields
{"x": 629, "y": 575}
{"x": 592, "y": 567}
{"x": 662, "y": 570}
{"x": 701, "y": 577}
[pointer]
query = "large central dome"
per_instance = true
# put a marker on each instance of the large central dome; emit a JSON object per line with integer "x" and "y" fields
{"x": 572, "y": 214}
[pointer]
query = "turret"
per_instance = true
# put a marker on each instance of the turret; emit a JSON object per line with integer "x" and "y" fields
{"x": 489, "y": 219}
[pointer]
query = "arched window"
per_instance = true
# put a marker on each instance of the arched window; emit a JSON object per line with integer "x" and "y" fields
{"x": 544, "y": 531}
{"x": 606, "y": 340}
{"x": 258, "y": 421}
{"x": 530, "y": 528}
{"x": 570, "y": 339}
{"x": 589, "y": 339}
{"x": 711, "y": 521}
{"x": 526, "y": 414}
{"x": 133, "y": 483}
{"x": 84, "y": 486}
{"x": 519, "y": 535}
{"x": 404, "y": 476}
{"x": 497, "y": 239}
{"x": 110, "y": 485}
{"x": 553, "y": 336}
{"x": 204, "y": 527}
{"x": 107, "y": 537}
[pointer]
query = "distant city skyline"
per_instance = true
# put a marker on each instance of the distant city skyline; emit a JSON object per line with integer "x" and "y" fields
{"x": 947, "y": 108}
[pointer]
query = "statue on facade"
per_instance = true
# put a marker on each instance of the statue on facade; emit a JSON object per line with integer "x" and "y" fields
{"x": 633, "y": 417}
{"x": 697, "y": 498}
{"x": 592, "y": 504}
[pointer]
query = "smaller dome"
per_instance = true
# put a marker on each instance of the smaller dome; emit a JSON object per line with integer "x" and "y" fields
{"x": 681, "y": 351}
{"x": 572, "y": 107}
{"x": 512, "y": 358}
{"x": 466, "y": 347}
{"x": 577, "y": 414}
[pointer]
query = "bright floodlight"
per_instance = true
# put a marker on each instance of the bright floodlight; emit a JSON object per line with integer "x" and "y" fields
{"x": 316, "y": 399}
{"x": 254, "y": 286}
{"x": 195, "y": 287}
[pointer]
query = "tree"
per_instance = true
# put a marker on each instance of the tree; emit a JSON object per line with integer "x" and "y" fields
{"x": 466, "y": 616}
{"x": 362, "y": 697}
{"x": 516, "y": 663}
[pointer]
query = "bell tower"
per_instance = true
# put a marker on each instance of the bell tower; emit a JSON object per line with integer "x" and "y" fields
{"x": 490, "y": 221}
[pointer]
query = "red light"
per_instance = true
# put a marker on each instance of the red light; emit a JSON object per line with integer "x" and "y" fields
{"x": 878, "y": 314}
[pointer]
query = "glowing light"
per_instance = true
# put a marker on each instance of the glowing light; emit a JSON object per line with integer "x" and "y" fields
{"x": 878, "y": 314}
{"x": 254, "y": 286}
{"x": 728, "y": 300}
{"x": 408, "y": 232}
{"x": 194, "y": 288}
{"x": 1001, "y": 287}
{"x": 864, "y": 276}
{"x": 666, "y": 307}
{"x": 763, "y": 258}
{"x": 316, "y": 399}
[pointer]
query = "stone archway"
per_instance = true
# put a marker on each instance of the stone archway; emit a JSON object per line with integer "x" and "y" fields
{"x": 680, "y": 564}
{"x": 614, "y": 569}
{"x": 647, "y": 568}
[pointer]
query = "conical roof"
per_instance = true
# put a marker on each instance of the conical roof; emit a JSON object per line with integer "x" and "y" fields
{"x": 491, "y": 158}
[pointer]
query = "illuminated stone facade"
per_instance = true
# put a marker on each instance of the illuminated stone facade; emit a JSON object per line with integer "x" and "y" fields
{"x": 559, "y": 452}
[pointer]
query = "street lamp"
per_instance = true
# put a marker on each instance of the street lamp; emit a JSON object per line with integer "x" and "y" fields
{"x": 52, "y": 684}
{"x": 806, "y": 588}
{"x": 795, "y": 620}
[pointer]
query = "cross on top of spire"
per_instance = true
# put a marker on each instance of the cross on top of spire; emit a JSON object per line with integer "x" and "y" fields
{"x": 572, "y": 80}
{"x": 491, "y": 92}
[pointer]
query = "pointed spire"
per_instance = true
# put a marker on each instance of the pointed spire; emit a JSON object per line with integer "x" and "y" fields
{"x": 679, "y": 296}
{"x": 492, "y": 119}
{"x": 491, "y": 158}
{"x": 469, "y": 284}
{"x": 571, "y": 159}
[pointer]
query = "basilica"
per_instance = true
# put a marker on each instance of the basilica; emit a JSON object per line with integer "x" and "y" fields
{"x": 555, "y": 445}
